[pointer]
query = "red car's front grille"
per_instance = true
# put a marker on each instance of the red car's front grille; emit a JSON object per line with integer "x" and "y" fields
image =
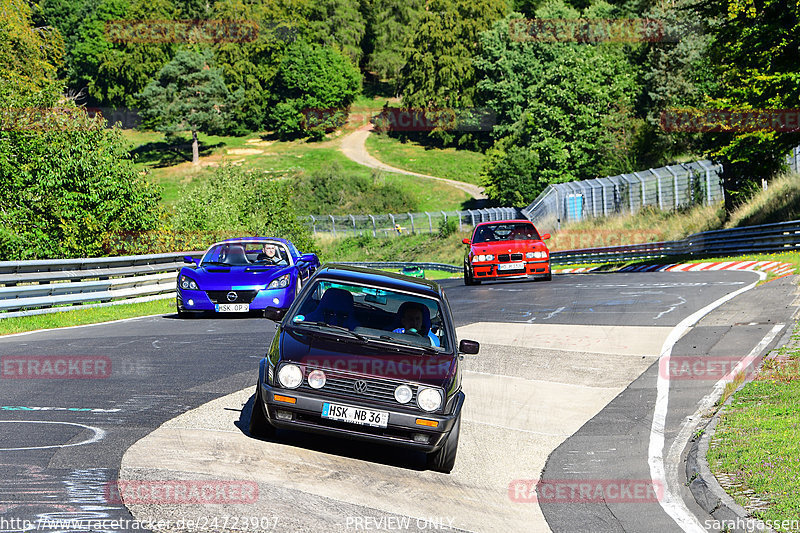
{"x": 505, "y": 258}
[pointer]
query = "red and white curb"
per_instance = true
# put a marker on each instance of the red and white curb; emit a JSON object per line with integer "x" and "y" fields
{"x": 779, "y": 269}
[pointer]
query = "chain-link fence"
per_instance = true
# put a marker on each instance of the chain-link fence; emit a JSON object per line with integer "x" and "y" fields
{"x": 666, "y": 188}
{"x": 388, "y": 225}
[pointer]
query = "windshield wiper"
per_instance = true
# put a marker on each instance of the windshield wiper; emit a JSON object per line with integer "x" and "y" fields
{"x": 416, "y": 348}
{"x": 299, "y": 325}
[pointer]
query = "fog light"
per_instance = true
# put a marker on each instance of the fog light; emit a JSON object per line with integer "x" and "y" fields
{"x": 190, "y": 302}
{"x": 316, "y": 379}
{"x": 276, "y": 301}
{"x": 419, "y": 437}
{"x": 283, "y": 415}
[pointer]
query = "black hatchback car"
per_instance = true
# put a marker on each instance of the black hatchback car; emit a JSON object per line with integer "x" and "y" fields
{"x": 367, "y": 355}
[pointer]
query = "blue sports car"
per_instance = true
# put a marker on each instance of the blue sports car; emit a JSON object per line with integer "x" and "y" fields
{"x": 243, "y": 275}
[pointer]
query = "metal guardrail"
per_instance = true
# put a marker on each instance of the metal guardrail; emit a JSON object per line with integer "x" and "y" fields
{"x": 36, "y": 287}
{"x": 766, "y": 238}
{"x": 400, "y": 264}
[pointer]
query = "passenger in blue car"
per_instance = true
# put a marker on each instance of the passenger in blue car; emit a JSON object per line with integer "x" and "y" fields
{"x": 271, "y": 256}
{"x": 415, "y": 319}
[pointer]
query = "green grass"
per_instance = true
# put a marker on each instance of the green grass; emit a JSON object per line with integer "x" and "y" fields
{"x": 420, "y": 247}
{"x": 779, "y": 203}
{"x": 176, "y": 175}
{"x": 460, "y": 165}
{"x": 756, "y": 441}
{"x": 80, "y": 317}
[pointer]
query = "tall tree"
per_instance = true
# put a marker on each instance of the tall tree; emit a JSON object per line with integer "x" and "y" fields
{"x": 564, "y": 109}
{"x": 391, "y": 24}
{"x": 439, "y": 69}
{"x": 187, "y": 94}
{"x": 754, "y": 59}
{"x": 313, "y": 90}
{"x": 338, "y": 24}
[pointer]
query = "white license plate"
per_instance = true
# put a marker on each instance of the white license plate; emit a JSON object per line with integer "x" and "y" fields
{"x": 510, "y": 266}
{"x": 232, "y": 308}
{"x": 355, "y": 415}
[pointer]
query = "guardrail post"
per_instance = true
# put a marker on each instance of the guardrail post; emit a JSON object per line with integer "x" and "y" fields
{"x": 660, "y": 194}
{"x": 411, "y": 217}
{"x": 353, "y": 219}
{"x": 374, "y": 228}
{"x": 394, "y": 224}
{"x": 333, "y": 224}
{"x": 313, "y": 224}
{"x": 644, "y": 190}
{"x": 472, "y": 216}
{"x": 445, "y": 216}
{"x": 430, "y": 222}
{"x": 460, "y": 225}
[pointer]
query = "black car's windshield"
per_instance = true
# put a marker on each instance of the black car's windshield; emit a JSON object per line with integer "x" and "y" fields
{"x": 515, "y": 231}
{"x": 377, "y": 315}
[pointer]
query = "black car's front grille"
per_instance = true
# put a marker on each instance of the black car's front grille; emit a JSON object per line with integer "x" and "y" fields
{"x": 241, "y": 297}
{"x": 505, "y": 258}
{"x": 370, "y": 388}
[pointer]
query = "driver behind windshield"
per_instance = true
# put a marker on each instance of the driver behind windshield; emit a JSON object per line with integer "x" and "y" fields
{"x": 412, "y": 321}
{"x": 270, "y": 256}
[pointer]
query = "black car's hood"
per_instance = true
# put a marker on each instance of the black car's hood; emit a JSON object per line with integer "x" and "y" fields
{"x": 371, "y": 359}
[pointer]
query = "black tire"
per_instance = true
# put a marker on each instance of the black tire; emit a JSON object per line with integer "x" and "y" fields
{"x": 259, "y": 425}
{"x": 549, "y": 277}
{"x": 444, "y": 459}
{"x": 467, "y": 279}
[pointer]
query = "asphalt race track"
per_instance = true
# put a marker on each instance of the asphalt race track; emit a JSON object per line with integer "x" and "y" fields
{"x": 565, "y": 389}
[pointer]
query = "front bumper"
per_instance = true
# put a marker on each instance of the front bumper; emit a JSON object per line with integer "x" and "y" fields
{"x": 538, "y": 269}
{"x": 307, "y": 416}
{"x": 188, "y": 300}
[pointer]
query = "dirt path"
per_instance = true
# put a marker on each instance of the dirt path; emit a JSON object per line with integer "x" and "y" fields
{"x": 353, "y": 146}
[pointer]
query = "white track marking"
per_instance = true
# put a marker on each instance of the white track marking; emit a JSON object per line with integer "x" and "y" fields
{"x": 98, "y": 434}
{"x": 671, "y": 502}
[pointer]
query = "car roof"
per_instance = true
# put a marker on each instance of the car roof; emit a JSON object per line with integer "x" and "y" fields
{"x": 389, "y": 280}
{"x": 515, "y": 221}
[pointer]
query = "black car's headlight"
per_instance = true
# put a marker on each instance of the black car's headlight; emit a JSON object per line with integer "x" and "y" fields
{"x": 188, "y": 283}
{"x": 279, "y": 283}
{"x": 290, "y": 376}
{"x": 429, "y": 399}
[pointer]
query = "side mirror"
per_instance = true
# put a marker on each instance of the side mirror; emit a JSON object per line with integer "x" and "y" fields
{"x": 466, "y": 241}
{"x": 308, "y": 258}
{"x": 189, "y": 260}
{"x": 467, "y": 346}
{"x": 275, "y": 314}
{"x": 545, "y": 236}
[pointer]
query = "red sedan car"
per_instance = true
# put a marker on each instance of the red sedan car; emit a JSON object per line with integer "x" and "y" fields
{"x": 506, "y": 249}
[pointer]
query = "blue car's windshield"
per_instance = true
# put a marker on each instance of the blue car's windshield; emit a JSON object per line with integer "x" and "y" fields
{"x": 375, "y": 313}
{"x": 247, "y": 253}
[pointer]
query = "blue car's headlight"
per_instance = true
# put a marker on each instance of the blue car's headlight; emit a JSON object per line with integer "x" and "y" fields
{"x": 188, "y": 283}
{"x": 280, "y": 283}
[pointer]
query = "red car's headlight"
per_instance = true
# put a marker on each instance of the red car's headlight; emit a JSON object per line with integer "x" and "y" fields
{"x": 482, "y": 258}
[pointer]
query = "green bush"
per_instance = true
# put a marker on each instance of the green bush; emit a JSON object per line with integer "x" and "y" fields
{"x": 68, "y": 184}
{"x": 329, "y": 190}
{"x": 312, "y": 81}
{"x": 447, "y": 227}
